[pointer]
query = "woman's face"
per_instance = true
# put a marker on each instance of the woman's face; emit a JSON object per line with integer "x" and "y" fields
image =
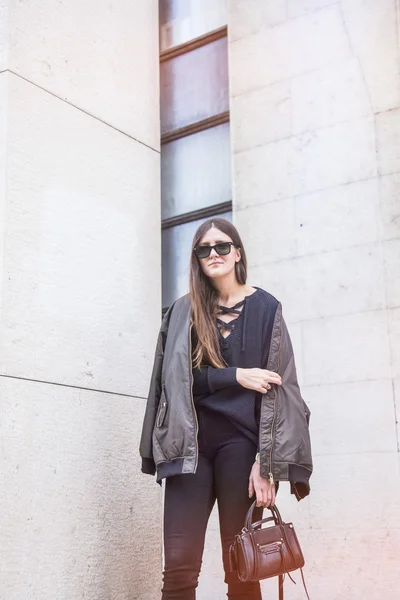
{"x": 216, "y": 265}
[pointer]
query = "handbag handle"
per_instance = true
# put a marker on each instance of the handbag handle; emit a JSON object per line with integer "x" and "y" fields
{"x": 276, "y": 515}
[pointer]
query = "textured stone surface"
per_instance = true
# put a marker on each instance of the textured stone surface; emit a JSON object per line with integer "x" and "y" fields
{"x": 297, "y": 8}
{"x": 396, "y": 389}
{"x": 346, "y": 348}
{"x": 261, "y": 116}
{"x": 394, "y": 335}
{"x": 336, "y": 426}
{"x": 354, "y": 475}
{"x": 249, "y": 17}
{"x": 390, "y": 206}
{"x": 326, "y": 284}
{"x": 77, "y": 510}
{"x": 102, "y": 58}
{"x": 316, "y": 199}
{"x": 272, "y": 228}
{"x": 329, "y": 157}
{"x": 367, "y": 574}
{"x": 388, "y": 141}
{"x": 3, "y": 162}
{"x": 79, "y": 228}
{"x": 4, "y": 28}
{"x": 295, "y": 47}
{"x": 372, "y": 30}
{"x": 391, "y": 253}
{"x": 336, "y": 218}
{"x": 77, "y": 212}
{"x": 328, "y": 96}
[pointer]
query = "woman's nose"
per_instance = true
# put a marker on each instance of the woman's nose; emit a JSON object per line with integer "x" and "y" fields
{"x": 213, "y": 252}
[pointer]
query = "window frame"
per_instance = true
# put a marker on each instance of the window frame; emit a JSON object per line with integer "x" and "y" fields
{"x": 196, "y": 127}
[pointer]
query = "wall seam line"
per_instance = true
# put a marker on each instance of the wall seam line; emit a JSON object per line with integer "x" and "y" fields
{"x": 70, "y": 386}
{"x": 89, "y": 114}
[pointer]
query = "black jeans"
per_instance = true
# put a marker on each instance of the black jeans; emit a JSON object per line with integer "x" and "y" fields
{"x": 225, "y": 460}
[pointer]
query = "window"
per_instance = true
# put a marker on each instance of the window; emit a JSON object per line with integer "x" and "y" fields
{"x": 195, "y": 142}
{"x": 195, "y": 171}
{"x": 184, "y": 20}
{"x": 194, "y": 86}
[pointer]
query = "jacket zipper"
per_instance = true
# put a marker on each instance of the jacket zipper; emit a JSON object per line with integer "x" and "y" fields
{"x": 270, "y": 474}
{"x": 191, "y": 395}
{"x": 271, "y": 477}
{"x": 161, "y": 414}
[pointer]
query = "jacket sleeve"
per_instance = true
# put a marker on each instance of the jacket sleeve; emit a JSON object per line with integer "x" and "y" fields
{"x": 298, "y": 418}
{"x": 153, "y": 398}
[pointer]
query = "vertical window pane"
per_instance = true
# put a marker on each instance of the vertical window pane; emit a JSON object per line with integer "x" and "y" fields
{"x": 194, "y": 86}
{"x": 184, "y": 20}
{"x": 176, "y": 245}
{"x": 196, "y": 171}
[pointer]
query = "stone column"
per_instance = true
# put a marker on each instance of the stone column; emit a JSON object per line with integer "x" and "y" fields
{"x": 316, "y": 127}
{"x": 80, "y": 297}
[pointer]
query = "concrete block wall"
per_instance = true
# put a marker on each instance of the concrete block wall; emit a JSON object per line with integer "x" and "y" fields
{"x": 315, "y": 121}
{"x": 79, "y": 238}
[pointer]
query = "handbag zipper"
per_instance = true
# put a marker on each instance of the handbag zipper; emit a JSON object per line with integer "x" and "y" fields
{"x": 269, "y": 548}
{"x": 191, "y": 395}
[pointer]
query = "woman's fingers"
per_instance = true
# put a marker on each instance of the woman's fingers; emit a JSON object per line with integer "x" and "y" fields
{"x": 263, "y": 489}
{"x": 262, "y": 495}
{"x": 269, "y": 378}
{"x": 265, "y": 495}
{"x": 264, "y": 388}
{"x": 273, "y": 377}
{"x": 259, "y": 496}
{"x": 251, "y": 487}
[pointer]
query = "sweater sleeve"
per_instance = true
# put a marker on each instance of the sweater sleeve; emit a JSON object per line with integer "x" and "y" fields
{"x": 209, "y": 379}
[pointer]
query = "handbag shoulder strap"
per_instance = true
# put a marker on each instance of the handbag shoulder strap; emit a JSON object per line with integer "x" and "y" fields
{"x": 281, "y": 579}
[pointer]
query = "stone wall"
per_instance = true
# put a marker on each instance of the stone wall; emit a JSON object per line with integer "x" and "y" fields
{"x": 315, "y": 94}
{"x": 79, "y": 236}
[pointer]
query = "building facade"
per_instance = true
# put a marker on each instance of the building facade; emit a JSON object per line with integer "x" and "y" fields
{"x": 309, "y": 172}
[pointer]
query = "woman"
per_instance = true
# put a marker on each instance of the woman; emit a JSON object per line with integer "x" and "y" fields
{"x": 224, "y": 419}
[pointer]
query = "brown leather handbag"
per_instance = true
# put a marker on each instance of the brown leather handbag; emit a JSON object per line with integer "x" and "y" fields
{"x": 262, "y": 552}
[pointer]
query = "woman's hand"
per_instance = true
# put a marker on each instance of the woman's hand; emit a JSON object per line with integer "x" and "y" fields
{"x": 257, "y": 379}
{"x": 265, "y": 491}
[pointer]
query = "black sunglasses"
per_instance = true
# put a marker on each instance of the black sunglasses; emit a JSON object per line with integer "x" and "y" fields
{"x": 222, "y": 248}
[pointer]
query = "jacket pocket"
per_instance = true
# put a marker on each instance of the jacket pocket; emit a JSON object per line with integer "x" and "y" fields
{"x": 162, "y": 409}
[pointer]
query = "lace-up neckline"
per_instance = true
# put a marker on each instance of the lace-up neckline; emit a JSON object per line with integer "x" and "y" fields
{"x": 231, "y": 325}
{"x": 223, "y": 310}
{"x": 226, "y": 310}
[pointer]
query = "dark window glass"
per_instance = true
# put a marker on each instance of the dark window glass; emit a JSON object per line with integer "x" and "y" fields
{"x": 196, "y": 171}
{"x": 176, "y": 246}
{"x": 194, "y": 86}
{"x": 184, "y": 20}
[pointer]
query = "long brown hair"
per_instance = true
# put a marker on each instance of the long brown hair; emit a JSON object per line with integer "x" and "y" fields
{"x": 204, "y": 296}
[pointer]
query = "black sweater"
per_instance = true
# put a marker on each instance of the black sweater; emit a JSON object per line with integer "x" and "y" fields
{"x": 247, "y": 346}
